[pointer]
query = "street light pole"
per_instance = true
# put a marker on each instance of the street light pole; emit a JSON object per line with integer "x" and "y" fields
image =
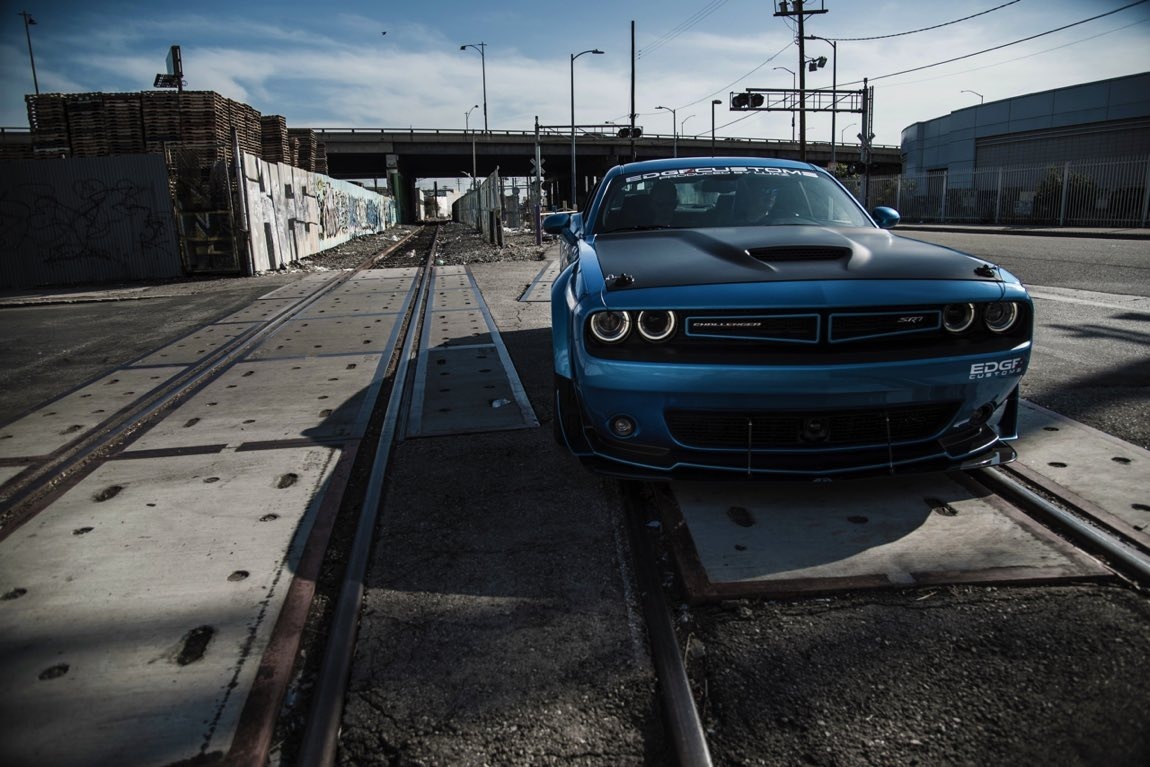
{"x": 834, "y": 86}
{"x": 792, "y": 109}
{"x": 674, "y": 135}
{"x": 683, "y": 124}
{"x": 482, "y": 48}
{"x": 713, "y": 103}
{"x": 981, "y": 100}
{"x": 842, "y": 139}
{"x": 573, "y": 57}
{"x": 29, "y": 21}
{"x": 467, "y": 129}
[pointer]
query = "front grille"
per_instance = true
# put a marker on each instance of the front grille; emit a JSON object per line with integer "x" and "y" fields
{"x": 857, "y": 326}
{"x": 779, "y": 327}
{"x": 813, "y": 429}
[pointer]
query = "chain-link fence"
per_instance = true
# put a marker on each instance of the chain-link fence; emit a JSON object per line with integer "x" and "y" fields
{"x": 1082, "y": 193}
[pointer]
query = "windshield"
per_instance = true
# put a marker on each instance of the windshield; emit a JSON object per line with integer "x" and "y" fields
{"x": 687, "y": 198}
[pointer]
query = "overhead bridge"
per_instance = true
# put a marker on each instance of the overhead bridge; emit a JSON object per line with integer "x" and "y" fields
{"x": 367, "y": 153}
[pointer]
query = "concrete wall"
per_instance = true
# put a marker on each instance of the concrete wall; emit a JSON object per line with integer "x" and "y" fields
{"x": 293, "y": 213}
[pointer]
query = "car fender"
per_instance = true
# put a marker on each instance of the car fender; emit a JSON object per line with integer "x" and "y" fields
{"x": 562, "y": 305}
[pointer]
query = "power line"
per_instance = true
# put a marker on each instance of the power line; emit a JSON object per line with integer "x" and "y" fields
{"x": 1000, "y": 47}
{"x": 924, "y": 29}
{"x": 727, "y": 87}
{"x": 691, "y": 21}
{"x": 1021, "y": 58}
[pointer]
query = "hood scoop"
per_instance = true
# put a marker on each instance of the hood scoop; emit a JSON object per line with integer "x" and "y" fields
{"x": 799, "y": 253}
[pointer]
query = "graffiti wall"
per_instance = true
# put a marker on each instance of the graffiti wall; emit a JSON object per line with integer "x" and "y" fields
{"x": 293, "y": 213}
{"x": 86, "y": 220}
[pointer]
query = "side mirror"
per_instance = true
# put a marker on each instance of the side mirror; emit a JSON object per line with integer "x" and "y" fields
{"x": 886, "y": 218}
{"x": 556, "y": 223}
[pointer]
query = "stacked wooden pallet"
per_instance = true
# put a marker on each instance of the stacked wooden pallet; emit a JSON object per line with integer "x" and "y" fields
{"x": 49, "y": 125}
{"x": 198, "y": 123}
{"x": 274, "y": 139}
{"x": 308, "y": 147}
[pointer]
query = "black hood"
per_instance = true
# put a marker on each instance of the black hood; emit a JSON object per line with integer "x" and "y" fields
{"x": 670, "y": 258}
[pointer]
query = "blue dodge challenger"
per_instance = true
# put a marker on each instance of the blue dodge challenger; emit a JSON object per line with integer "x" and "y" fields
{"x": 735, "y": 317}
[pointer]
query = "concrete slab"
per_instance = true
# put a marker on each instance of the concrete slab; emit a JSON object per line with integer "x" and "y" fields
{"x": 465, "y": 381}
{"x": 260, "y": 310}
{"x": 356, "y": 304}
{"x": 320, "y": 398}
{"x": 752, "y": 539}
{"x": 540, "y": 288}
{"x": 192, "y": 347}
{"x": 1097, "y": 472}
{"x": 304, "y": 286}
{"x": 51, "y": 427}
{"x": 335, "y": 335}
{"x": 99, "y": 660}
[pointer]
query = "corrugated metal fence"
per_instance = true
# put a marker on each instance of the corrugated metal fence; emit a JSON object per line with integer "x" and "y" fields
{"x": 98, "y": 219}
{"x": 482, "y": 208}
{"x": 1081, "y": 193}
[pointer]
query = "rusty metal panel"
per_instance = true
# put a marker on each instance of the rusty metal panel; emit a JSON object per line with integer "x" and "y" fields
{"x": 86, "y": 220}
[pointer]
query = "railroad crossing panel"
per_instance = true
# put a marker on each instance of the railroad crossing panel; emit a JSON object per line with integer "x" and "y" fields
{"x": 751, "y": 539}
{"x": 465, "y": 381}
{"x": 150, "y": 590}
{"x": 66, "y": 419}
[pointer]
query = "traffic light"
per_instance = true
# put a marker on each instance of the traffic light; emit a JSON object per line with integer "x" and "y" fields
{"x": 746, "y": 100}
{"x": 635, "y": 132}
{"x": 818, "y": 63}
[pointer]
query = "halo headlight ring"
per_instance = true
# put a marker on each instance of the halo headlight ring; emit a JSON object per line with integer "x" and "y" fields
{"x": 1000, "y": 316}
{"x": 610, "y": 327}
{"x": 656, "y": 326}
{"x": 957, "y": 318}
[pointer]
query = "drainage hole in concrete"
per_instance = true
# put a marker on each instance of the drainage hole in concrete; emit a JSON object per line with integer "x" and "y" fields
{"x": 269, "y": 517}
{"x": 325, "y": 413}
{"x": 740, "y": 516}
{"x": 1057, "y": 464}
{"x": 287, "y": 480}
{"x": 1050, "y": 428}
{"x": 71, "y": 429}
{"x": 108, "y": 493}
{"x": 941, "y": 507}
{"x": 195, "y": 645}
{"x": 191, "y": 422}
{"x": 238, "y": 575}
{"x": 250, "y": 420}
{"x": 82, "y": 530}
{"x": 211, "y": 480}
{"x": 1121, "y": 459}
{"x": 1140, "y": 506}
{"x": 54, "y": 672}
{"x": 15, "y": 593}
{"x": 250, "y": 372}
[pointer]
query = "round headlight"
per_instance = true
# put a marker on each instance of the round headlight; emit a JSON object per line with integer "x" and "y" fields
{"x": 1001, "y": 316}
{"x": 958, "y": 317}
{"x": 610, "y": 327}
{"x": 656, "y": 326}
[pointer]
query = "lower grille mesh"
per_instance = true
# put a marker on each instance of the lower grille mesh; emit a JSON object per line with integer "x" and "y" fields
{"x": 764, "y": 430}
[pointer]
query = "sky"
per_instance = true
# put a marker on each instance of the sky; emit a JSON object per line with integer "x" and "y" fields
{"x": 384, "y": 64}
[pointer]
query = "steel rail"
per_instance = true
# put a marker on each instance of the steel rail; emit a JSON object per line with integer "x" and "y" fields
{"x": 321, "y": 733}
{"x": 687, "y": 738}
{"x": 1132, "y": 560}
{"x": 28, "y": 490}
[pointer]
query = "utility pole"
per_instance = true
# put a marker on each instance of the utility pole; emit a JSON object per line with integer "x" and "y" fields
{"x": 800, "y": 13}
